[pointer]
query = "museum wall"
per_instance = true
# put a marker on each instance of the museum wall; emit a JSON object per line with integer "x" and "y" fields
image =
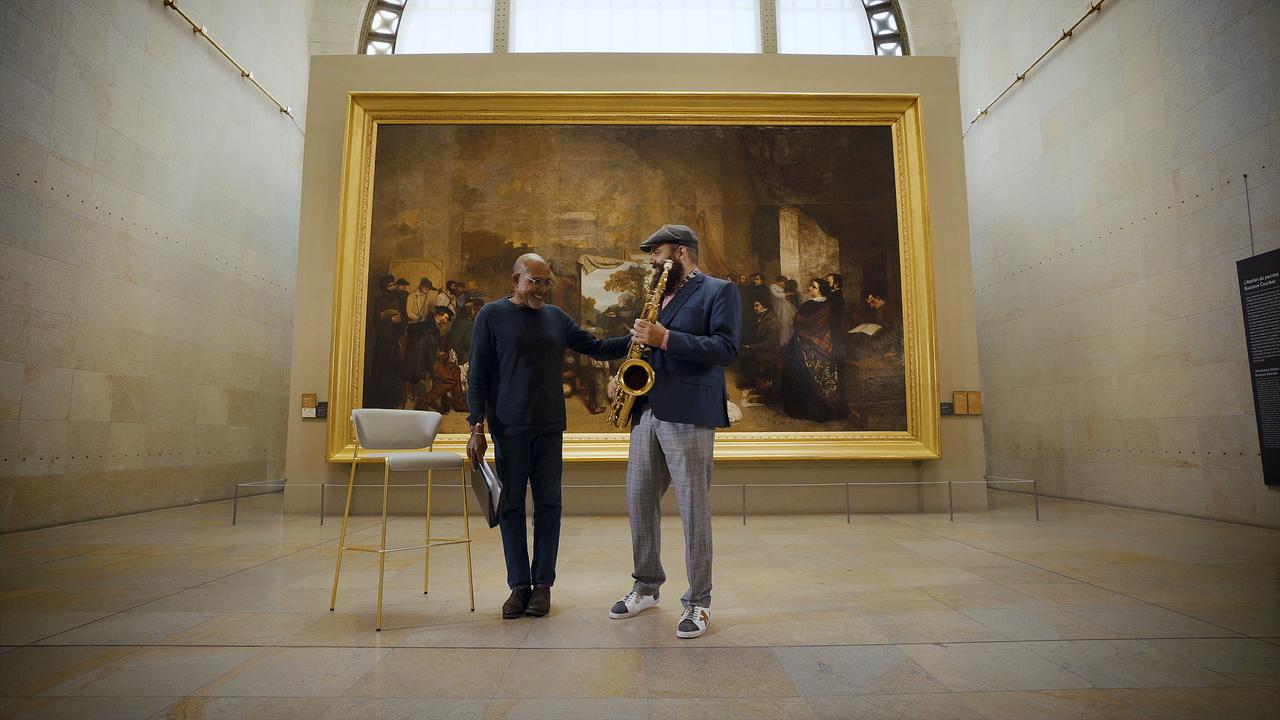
{"x": 1107, "y": 208}
{"x": 333, "y": 26}
{"x": 148, "y": 236}
{"x": 332, "y": 77}
{"x": 931, "y": 27}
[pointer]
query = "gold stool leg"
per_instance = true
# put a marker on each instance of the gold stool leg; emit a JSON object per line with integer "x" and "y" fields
{"x": 382, "y": 544}
{"x": 466, "y": 533}
{"x": 342, "y": 537}
{"x": 426, "y": 562}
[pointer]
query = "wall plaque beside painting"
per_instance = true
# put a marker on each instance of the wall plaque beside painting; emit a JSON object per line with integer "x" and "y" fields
{"x": 815, "y": 205}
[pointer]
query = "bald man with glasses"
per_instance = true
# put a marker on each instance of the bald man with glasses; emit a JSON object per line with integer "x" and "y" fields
{"x": 514, "y": 382}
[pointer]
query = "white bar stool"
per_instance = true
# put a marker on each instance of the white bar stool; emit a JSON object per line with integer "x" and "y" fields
{"x": 401, "y": 440}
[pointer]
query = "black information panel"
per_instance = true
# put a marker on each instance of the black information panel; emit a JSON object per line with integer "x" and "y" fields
{"x": 1260, "y": 300}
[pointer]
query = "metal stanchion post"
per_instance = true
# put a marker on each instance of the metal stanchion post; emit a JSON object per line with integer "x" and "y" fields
{"x": 322, "y": 503}
{"x": 744, "y": 504}
{"x": 235, "y": 504}
{"x": 951, "y": 503}
{"x": 1035, "y": 489}
{"x": 848, "y": 509}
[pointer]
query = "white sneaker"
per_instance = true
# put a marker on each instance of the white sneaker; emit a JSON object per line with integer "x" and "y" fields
{"x": 633, "y": 604}
{"x": 694, "y": 622}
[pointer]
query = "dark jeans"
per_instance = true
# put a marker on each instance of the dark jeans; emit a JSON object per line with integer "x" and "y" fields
{"x": 523, "y": 461}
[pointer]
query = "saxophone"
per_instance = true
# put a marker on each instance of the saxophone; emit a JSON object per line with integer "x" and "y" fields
{"x": 635, "y": 376}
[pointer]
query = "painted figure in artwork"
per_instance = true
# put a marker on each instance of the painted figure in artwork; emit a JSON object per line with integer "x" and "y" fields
{"x": 811, "y": 374}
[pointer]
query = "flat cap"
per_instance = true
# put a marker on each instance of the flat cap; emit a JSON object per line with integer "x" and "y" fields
{"x": 677, "y": 234}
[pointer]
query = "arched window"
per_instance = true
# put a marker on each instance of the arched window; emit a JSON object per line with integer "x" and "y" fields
{"x": 832, "y": 27}
{"x": 670, "y": 26}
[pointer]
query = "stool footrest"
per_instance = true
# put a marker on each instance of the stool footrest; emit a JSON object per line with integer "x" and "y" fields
{"x": 434, "y": 542}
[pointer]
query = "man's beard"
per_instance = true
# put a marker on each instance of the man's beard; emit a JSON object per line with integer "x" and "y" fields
{"x": 673, "y": 277}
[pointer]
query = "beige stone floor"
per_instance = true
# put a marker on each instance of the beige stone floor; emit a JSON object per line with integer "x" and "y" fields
{"x": 1095, "y": 612}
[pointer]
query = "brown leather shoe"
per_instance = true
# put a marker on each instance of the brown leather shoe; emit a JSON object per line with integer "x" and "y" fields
{"x": 539, "y": 602}
{"x": 515, "y": 605}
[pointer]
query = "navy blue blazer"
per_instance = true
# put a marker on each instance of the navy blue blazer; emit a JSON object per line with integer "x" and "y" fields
{"x": 704, "y": 319}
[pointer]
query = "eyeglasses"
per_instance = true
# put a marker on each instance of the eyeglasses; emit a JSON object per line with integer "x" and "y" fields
{"x": 540, "y": 282}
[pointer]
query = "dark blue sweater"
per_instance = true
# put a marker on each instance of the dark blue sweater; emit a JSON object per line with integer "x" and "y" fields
{"x": 517, "y": 365}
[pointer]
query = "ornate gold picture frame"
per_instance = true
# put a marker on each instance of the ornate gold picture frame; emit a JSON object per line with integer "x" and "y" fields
{"x": 910, "y": 434}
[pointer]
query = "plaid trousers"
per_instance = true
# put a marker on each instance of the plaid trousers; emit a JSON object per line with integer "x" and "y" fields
{"x": 665, "y": 453}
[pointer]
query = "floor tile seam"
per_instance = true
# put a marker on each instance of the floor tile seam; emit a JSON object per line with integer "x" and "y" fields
{"x": 949, "y": 691}
{"x": 1125, "y": 688}
{"x": 644, "y": 697}
{"x": 198, "y": 693}
{"x": 1005, "y": 642}
{"x": 179, "y": 645}
{"x": 495, "y": 698}
{"x": 334, "y": 698}
{"x": 1086, "y": 582}
{"x": 356, "y": 680}
{"x": 506, "y": 668}
{"x": 648, "y": 677}
{"x": 251, "y": 660}
{"x": 182, "y": 590}
{"x": 1193, "y": 663}
{"x": 651, "y": 697}
{"x": 29, "y": 566}
{"x": 1045, "y": 690}
{"x": 196, "y": 646}
{"x": 163, "y": 714}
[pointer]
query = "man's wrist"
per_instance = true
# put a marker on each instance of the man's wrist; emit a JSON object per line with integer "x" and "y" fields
{"x": 478, "y": 428}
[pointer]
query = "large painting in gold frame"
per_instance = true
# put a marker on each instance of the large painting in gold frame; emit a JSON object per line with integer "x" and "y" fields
{"x": 913, "y": 435}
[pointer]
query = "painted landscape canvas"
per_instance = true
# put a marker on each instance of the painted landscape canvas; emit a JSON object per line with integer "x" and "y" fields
{"x": 804, "y": 219}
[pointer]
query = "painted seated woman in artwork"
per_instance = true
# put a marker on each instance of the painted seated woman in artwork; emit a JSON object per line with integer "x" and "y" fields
{"x": 810, "y": 375}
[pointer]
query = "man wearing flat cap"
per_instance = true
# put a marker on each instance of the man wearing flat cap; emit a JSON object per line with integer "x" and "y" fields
{"x": 674, "y": 425}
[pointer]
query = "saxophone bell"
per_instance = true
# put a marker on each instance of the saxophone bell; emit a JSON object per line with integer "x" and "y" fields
{"x": 635, "y": 377}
